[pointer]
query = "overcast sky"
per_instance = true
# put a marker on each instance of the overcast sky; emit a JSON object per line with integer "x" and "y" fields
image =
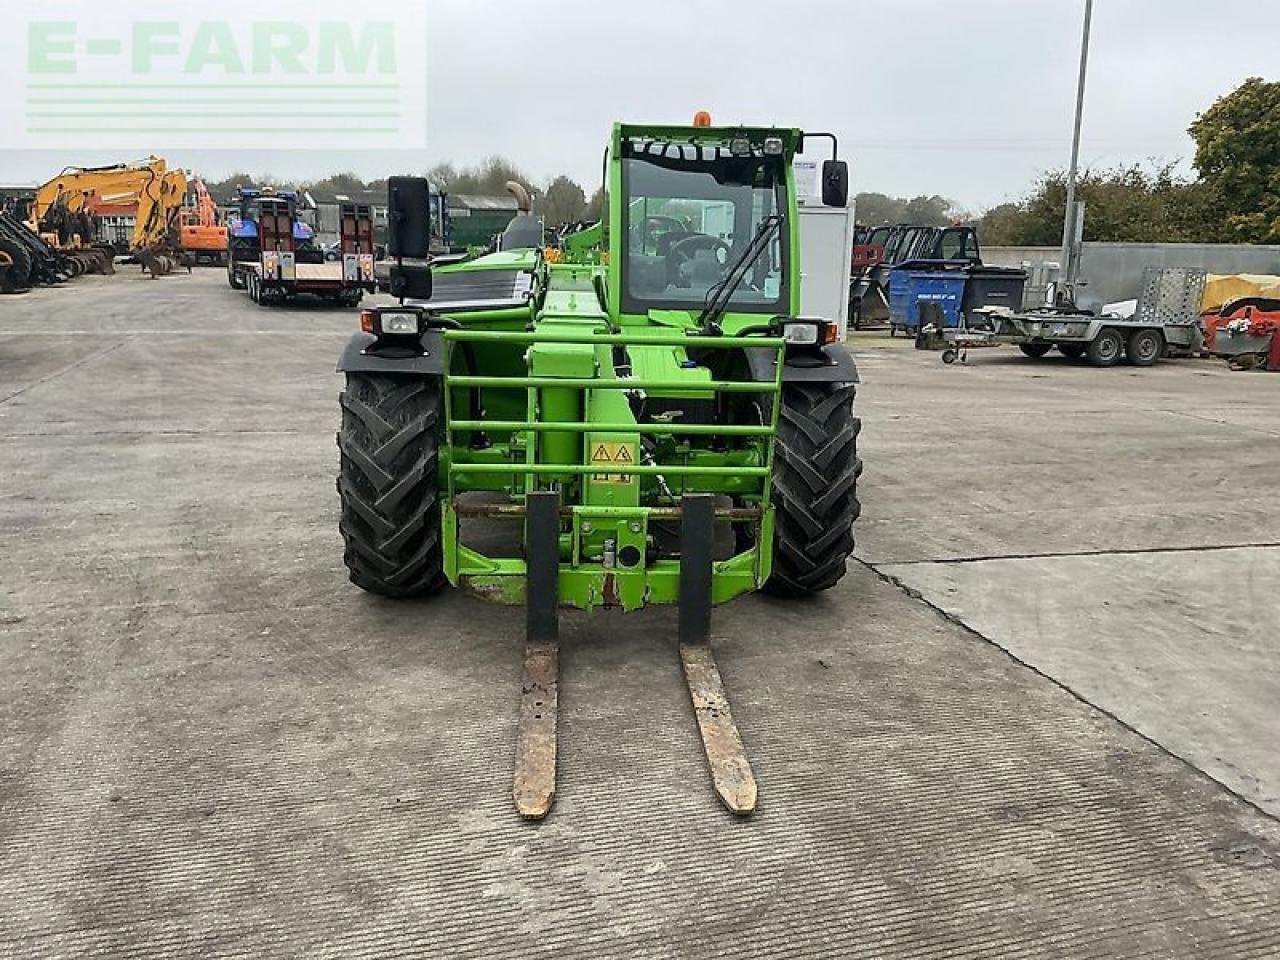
{"x": 967, "y": 98}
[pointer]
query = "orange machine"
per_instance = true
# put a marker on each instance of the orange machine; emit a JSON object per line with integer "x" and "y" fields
{"x": 202, "y": 236}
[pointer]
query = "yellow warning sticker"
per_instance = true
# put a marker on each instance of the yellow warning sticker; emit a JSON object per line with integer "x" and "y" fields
{"x": 610, "y": 454}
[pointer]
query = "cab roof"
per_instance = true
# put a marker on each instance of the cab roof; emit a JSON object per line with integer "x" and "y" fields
{"x": 792, "y": 139}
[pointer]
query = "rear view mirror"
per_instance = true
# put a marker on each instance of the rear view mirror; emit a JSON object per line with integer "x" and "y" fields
{"x": 409, "y": 217}
{"x": 835, "y": 183}
{"x": 411, "y": 281}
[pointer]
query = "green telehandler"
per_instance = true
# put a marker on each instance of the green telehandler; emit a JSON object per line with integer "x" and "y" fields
{"x": 642, "y": 406}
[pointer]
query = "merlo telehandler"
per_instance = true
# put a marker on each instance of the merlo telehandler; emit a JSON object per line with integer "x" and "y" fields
{"x": 643, "y": 404}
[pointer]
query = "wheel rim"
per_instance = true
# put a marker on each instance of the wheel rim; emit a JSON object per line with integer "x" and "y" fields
{"x": 1146, "y": 347}
{"x": 1109, "y": 348}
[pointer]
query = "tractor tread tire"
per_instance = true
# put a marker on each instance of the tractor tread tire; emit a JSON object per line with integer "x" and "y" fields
{"x": 815, "y": 488}
{"x": 389, "y": 488}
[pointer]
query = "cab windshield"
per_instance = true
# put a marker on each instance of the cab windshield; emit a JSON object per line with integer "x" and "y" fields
{"x": 686, "y": 222}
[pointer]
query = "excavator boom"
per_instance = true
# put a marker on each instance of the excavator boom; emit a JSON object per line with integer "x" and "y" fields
{"x": 61, "y": 206}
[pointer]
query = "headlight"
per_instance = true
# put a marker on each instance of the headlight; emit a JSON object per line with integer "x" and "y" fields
{"x": 740, "y": 147}
{"x": 809, "y": 333}
{"x": 773, "y": 146}
{"x": 404, "y": 323}
{"x": 801, "y": 334}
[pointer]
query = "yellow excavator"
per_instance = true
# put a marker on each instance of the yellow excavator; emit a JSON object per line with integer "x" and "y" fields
{"x": 63, "y": 210}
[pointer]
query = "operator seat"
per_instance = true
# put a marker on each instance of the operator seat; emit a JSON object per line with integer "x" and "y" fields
{"x": 703, "y": 270}
{"x": 522, "y": 233}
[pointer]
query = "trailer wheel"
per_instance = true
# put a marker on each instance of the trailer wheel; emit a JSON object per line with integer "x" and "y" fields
{"x": 1035, "y": 350}
{"x": 235, "y": 279}
{"x": 815, "y": 487}
{"x": 1073, "y": 351}
{"x": 1106, "y": 349}
{"x": 1145, "y": 347}
{"x": 389, "y": 485}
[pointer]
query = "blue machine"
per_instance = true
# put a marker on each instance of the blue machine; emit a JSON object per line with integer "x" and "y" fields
{"x": 245, "y": 227}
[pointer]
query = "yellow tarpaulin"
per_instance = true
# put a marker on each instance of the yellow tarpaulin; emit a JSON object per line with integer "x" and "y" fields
{"x": 1222, "y": 289}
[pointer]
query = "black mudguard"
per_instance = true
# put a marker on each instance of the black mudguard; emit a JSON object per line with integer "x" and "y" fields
{"x": 362, "y": 356}
{"x": 837, "y": 366}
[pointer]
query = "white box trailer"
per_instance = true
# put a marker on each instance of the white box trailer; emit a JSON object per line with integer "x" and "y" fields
{"x": 826, "y": 260}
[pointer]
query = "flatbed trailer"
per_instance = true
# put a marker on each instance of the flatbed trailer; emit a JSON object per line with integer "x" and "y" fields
{"x": 282, "y": 272}
{"x": 1166, "y": 319}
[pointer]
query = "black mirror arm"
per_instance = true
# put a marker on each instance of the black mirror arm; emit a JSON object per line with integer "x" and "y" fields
{"x": 835, "y": 144}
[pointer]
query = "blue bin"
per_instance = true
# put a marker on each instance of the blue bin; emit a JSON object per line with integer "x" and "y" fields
{"x": 923, "y": 281}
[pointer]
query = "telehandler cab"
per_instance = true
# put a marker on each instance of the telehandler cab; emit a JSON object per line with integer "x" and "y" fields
{"x": 644, "y": 404}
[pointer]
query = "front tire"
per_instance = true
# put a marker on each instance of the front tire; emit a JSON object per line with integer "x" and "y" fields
{"x": 815, "y": 488}
{"x": 389, "y": 485}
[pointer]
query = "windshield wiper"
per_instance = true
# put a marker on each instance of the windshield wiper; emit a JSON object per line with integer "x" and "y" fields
{"x": 720, "y": 294}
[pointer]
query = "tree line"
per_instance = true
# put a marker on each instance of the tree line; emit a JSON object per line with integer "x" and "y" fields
{"x": 1234, "y": 196}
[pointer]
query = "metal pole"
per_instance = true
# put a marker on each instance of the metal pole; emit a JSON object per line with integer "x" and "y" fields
{"x": 1069, "y": 227}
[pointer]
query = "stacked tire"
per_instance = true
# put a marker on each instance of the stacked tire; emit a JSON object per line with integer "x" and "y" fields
{"x": 15, "y": 267}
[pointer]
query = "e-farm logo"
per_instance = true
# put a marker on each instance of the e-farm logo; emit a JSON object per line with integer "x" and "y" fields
{"x": 269, "y": 76}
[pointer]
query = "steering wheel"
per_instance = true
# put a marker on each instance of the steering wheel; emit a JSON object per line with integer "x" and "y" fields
{"x": 683, "y": 251}
{"x": 656, "y": 228}
{"x": 659, "y": 224}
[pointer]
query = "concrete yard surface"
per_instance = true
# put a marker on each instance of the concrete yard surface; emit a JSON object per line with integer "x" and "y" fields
{"x": 1182, "y": 645}
{"x": 1115, "y": 529}
{"x": 212, "y": 745}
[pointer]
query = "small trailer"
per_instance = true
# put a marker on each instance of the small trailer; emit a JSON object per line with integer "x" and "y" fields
{"x": 1165, "y": 319}
{"x": 283, "y": 272}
